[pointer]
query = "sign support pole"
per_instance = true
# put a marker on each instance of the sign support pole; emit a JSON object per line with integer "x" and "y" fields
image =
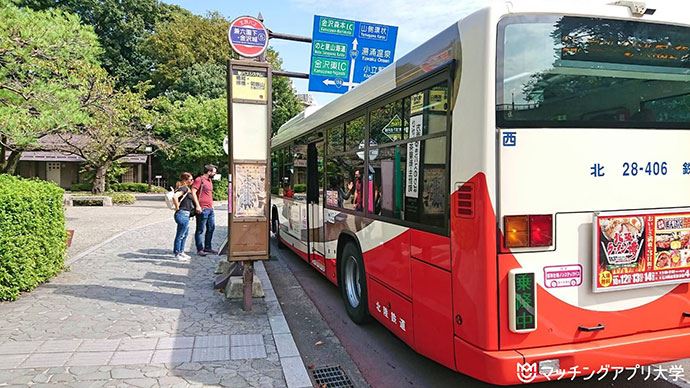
{"x": 249, "y": 127}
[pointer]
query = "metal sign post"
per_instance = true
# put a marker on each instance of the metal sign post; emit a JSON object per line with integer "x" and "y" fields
{"x": 249, "y": 102}
{"x": 249, "y": 128}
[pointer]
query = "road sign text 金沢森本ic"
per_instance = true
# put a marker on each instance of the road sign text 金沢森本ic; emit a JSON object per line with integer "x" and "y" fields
{"x": 345, "y": 53}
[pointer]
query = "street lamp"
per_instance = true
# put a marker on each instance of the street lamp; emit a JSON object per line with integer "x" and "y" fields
{"x": 149, "y": 150}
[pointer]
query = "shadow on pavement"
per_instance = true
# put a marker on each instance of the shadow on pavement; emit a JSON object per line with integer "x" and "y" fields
{"x": 156, "y": 295}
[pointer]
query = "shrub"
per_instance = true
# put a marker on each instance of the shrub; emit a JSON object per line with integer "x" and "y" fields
{"x": 300, "y": 188}
{"x": 123, "y": 198}
{"x": 32, "y": 234}
{"x": 220, "y": 190}
{"x": 81, "y": 187}
{"x": 131, "y": 186}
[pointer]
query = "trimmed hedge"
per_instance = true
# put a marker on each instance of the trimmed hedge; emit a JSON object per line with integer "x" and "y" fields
{"x": 123, "y": 198}
{"x": 32, "y": 234}
{"x": 133, "y": 187}
{"x": 81, "y": 187}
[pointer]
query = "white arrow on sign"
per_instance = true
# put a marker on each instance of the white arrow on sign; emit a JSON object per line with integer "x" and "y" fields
{"x": 330, "y": 82}
{"x": 353, "y": 55}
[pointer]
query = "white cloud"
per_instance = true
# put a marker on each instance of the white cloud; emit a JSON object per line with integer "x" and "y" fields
{"x": 416, "y": 20}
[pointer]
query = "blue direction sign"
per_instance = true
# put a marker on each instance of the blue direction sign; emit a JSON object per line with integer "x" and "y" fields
{"x": 345, "y": 53}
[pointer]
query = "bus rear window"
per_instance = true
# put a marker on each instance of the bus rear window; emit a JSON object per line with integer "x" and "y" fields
{"x": 555, "y": 71}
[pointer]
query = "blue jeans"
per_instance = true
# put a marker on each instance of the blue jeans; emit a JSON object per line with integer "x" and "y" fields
{"x": 204, "y": 221}
{"x": 182, "y": 220}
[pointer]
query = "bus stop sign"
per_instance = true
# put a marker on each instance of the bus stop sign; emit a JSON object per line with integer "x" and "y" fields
{"x": 248, "y": 36}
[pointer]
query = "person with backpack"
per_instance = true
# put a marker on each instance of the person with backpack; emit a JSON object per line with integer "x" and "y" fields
{"x": 202, "y": 190}
{"x": 184, "y": 203}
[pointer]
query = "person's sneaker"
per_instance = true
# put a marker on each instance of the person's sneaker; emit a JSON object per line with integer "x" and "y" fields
{"x": 201, "y": 253}
{"x": 185, "y": 256}
{"x": 211, "y": 251}
{"x": 181, "y": 257}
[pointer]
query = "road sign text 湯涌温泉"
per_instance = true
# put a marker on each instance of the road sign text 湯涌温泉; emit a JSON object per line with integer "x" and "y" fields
{"x": 345, "y": 53}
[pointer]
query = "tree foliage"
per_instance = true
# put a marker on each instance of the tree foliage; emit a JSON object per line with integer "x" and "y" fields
{"x": 119, "y": 124}
{"x": 44, "y": 57}
{"x": 195, "y": 128}
{"x": 121, "y": 26}
{"x": 182, "y": 56}
{"x": 285, "y": 102}
{"x": 205, "y": 80}
{"x": 183, "y": 41}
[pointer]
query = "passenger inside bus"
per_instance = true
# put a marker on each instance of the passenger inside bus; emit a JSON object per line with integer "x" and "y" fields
{"x": 287, "y": 191}
{"x": 337, "y": 184}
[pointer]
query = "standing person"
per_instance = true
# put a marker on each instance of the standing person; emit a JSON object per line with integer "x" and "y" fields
{"x": 359, "y": 190}
{"x": 202, "y": 190}
{"x": 184, "y": 206}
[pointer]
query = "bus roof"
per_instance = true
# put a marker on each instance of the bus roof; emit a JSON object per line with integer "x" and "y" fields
{"x": 443, "y": 48}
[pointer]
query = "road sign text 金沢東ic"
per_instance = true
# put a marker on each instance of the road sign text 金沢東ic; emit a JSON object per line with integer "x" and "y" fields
{"x": 345, "y": 53}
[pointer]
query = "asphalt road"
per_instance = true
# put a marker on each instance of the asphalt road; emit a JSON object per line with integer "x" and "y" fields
{"x": 369, "y": 353}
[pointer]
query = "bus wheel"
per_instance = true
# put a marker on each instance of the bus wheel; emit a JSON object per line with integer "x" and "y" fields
{"x": 354, "y": 284}
{"x": 280, "y": 243}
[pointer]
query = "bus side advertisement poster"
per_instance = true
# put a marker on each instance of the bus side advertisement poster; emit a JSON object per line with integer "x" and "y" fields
{"x": 641, "y": 250}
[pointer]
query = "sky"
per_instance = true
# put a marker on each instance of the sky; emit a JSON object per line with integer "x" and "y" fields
{"x": 417, "y": 21}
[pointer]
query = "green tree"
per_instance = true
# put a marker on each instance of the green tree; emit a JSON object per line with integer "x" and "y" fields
{"x": 206, "y": 80}
{"x": 184, "y": 40}
{"x": 121, "y": 26}
{"x": 194, "y": 129}
{"x": 120, "y": 123}
{"x": 285, "y": 102}
{"x": 190, "y": 54}
{"x": 43, "y": 60}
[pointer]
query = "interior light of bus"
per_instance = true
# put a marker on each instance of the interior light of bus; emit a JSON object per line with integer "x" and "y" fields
{"x": 540, "y": 230}
{"x": 516, "y": 229}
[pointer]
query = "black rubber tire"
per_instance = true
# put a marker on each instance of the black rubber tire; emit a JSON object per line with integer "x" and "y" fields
{"x": 280, "y": 243}
{"x": 274, "y": 220}
{"x": 351, "y": 261}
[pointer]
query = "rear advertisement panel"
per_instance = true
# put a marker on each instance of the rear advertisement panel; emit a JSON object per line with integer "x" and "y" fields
{"x": 640, "y": 250}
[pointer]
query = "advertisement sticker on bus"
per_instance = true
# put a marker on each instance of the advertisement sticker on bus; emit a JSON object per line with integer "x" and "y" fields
{"x": 642, "y": 250}
{"x": 563, "y": 276}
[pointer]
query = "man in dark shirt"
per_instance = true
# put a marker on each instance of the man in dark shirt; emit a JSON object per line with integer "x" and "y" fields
{"x": 202, "y": 189}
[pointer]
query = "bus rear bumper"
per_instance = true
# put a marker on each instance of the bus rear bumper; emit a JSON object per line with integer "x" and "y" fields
{"x": 611, "y": 355}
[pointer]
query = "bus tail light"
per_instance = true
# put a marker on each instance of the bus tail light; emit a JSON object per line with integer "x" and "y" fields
{"x": 540, "y": 230}
{"x": 528, "y": 231}
{"x": 516, "y": 231}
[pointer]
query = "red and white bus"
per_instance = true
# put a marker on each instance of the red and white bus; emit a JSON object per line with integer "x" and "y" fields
{"x": 512, "y": 197}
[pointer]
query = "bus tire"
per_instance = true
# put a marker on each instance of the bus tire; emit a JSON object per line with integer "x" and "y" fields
{"x": 353, "y": 286}
{"x": 275, "y": 228}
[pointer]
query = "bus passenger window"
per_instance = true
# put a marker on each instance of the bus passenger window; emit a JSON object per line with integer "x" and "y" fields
{"x": 387, "y": 124}
{"x": 336, "y": 139}
{"x": 354, "y": 134}
{"x": 388, "y": 179}
{"x": 345, "y": 188}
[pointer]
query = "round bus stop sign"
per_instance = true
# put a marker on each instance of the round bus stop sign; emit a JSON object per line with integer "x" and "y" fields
{"x": 248, "y": 36}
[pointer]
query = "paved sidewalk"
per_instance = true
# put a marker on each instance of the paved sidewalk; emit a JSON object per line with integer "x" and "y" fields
{"x": 94, "y": 225}
{"x": 129, "y": 314}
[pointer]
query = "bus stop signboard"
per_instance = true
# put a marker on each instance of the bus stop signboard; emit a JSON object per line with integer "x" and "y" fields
{"x": 345, "y": 53}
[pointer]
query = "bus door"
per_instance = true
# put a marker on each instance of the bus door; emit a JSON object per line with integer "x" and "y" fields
{"x": 316, "y": 232}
